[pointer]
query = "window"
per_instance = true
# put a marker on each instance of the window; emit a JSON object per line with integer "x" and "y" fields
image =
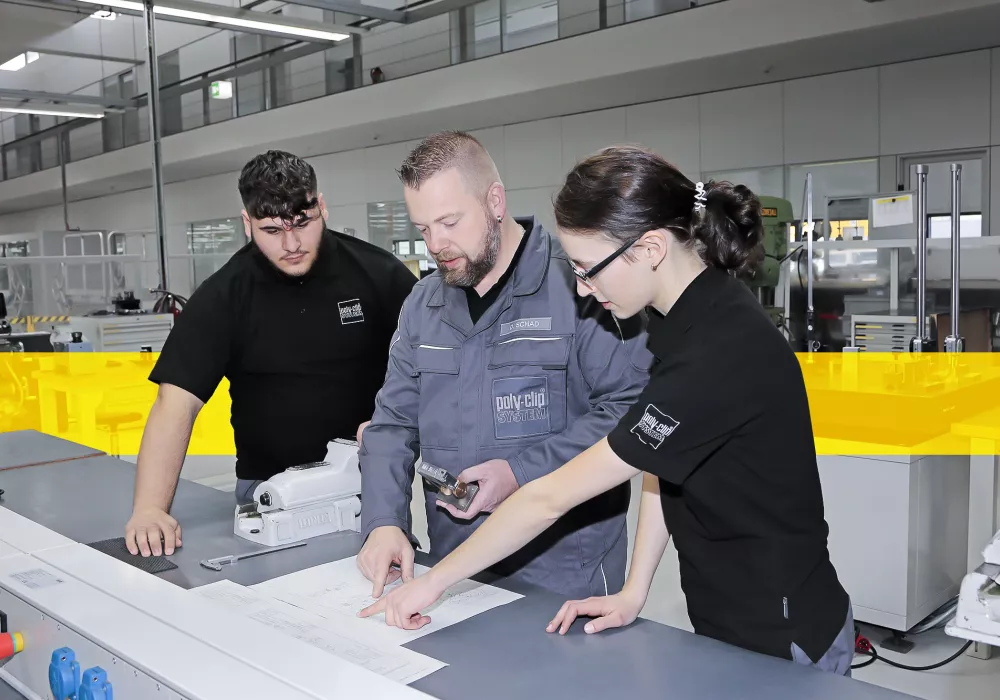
{"x": 486, "y": 29}
{"x": 529, "y": 22}
{"x": 834, "y": 180}
{"x": 975, "y": 202}
{"x": 970, "y": 226}
{"x": 212, "y": 243}
{"x": 406, "y": 248}
{"x": 389, "y": 227}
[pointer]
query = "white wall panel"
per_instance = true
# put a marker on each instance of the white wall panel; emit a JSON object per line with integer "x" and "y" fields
{"x": 578, "y": 17}
{"x": 341, "y": 177}
{"x": 381, "y": 163}
{"x": 832, "y": 117}
{"x": 742, "y": 128}
{"x": 67, "y": 75}
{"x": 354, "y": 216}
{"x": 215, "y": 197}
{"x": 211, "y": 52}
{"x": 493, "y": 142}
{"x": 306, "y": 78}
{"x": 935, "y": 105}
{"x": 582, "y": 134}
{"x": 426, "y": 46}
{"x": 671, "y": 128}
{"x": 533, "y": 154}
{"x": 118, "y": 38}
{"x": 534, "y": 202}
{"x": 769, "y": 182}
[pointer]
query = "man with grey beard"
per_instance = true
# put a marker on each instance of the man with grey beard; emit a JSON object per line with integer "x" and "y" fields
{"x": 498, "y": 374}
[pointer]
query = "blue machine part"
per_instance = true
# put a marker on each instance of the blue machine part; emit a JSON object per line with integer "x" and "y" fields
{"x": 95, "y": 685}
{"x": 64, "y": 674}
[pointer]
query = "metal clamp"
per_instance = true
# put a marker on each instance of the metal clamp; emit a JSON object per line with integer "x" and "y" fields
{"x": 921, "y": 342}
{"x": 955, "y": 342}
{"x": 217, "y": 563}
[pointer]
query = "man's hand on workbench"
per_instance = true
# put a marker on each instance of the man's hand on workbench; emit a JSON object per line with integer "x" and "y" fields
{"x": 384, "y": 547}
{"x": 610, "y": 611}
{"x": 147, "y": 528}
{"x": 496, "y": 482}
{"x": 402, "y": 605}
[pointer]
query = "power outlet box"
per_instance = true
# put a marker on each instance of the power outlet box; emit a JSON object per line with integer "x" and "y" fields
{"x": 979, "y": 650}
{"x": 44, "y": 634}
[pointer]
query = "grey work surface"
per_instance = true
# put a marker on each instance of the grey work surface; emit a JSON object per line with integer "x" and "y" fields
{"x": 90, "y": 499}
{"x": 21, "y": 448}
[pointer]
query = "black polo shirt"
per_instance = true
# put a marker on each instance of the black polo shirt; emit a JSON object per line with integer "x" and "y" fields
{"x": 724, "y": 423}
{"x": 479, "y": 305}
{"x": 305, "y": 356}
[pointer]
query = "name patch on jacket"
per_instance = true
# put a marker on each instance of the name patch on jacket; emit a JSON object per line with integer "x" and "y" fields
{"x": 350, "y": 311}
{"x": 526, "y": 324}
{"x": 520, "y": 407}
{"x": 654, "y": 427}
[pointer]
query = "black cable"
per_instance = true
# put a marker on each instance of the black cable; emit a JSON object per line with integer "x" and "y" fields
{"x": 872, "y": 659}
{"x": 875, "y": 657}
{"x": 787, "y": 255}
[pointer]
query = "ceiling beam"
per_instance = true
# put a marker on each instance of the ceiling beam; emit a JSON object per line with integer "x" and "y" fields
{"x": 355, "y": 8}
{"x": 64, "y": 98}
{"x": 434, "y": 9}
{"x": 91, "y": 56}
{"x": 70, "y": 111}
{"x": 90, "y": 6}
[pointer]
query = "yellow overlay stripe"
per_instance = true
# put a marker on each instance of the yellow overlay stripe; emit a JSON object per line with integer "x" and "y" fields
{"x": 860, "y": 403}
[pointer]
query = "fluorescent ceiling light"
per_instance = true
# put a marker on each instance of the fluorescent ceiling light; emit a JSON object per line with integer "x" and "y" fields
{"x": 20, "y": 61}
{"x": 227, "y": 17}
{"x": 53, "y": 111}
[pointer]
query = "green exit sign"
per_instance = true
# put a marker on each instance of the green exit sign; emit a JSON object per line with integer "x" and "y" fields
{"x": 221, "y": 90}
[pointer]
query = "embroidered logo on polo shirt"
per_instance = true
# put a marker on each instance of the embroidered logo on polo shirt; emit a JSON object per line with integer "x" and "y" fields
{"x": 350, "y": 311}
{"x": 654, "y": 427}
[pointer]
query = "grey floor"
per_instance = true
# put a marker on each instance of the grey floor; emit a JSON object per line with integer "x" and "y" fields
{"x": 965, "y": 679}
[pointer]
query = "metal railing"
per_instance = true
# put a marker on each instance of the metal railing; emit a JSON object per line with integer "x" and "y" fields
{"x": 296, "y": 71}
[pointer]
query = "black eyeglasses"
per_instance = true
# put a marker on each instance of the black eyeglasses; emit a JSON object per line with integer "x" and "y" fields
{"x": 587, "y": 275}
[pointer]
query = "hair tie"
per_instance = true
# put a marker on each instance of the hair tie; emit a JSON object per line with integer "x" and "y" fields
{"x": 700, "y": 197}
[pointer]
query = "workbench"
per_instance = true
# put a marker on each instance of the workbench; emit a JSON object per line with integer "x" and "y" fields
{"x": 90, "y": 498}
{"x": 25, "y": 448}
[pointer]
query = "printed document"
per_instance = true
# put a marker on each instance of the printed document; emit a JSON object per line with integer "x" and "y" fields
{"x": 401, "y": 665}
{"x": 338, "y": 590}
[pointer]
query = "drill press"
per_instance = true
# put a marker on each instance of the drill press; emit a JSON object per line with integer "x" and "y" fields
{"x": 777, "y": 216}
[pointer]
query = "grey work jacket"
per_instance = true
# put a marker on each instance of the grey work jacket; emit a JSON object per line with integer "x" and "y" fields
{"x": 542, "y": 376}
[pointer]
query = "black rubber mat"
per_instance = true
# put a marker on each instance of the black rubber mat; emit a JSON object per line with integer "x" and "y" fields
{"x": 116, "y": 548}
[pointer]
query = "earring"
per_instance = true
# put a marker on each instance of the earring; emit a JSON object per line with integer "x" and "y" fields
{"x": 499, "y": 219}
